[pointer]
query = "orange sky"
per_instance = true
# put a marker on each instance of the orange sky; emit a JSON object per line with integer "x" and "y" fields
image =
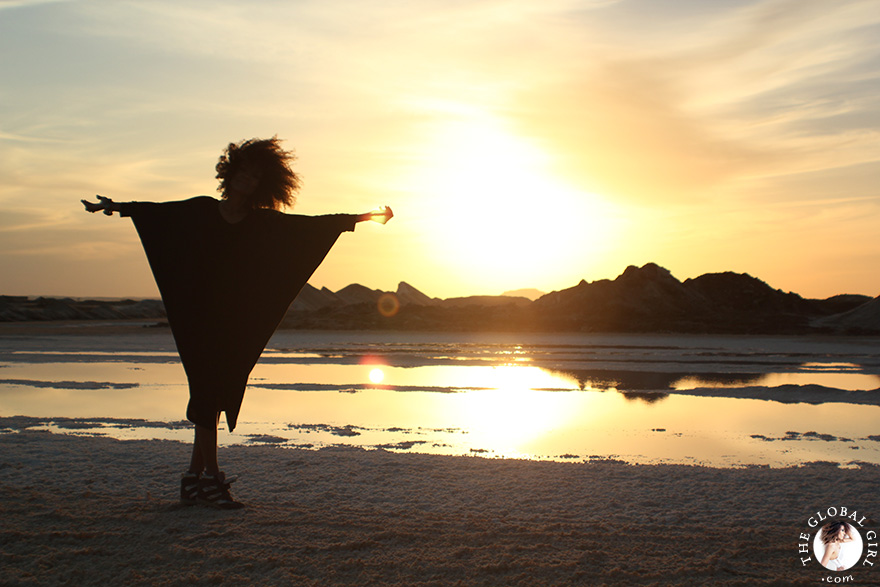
{"x": 521, "y": 144}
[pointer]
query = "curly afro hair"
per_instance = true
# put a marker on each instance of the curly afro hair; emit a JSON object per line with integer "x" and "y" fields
{"x": 270, "y": 165}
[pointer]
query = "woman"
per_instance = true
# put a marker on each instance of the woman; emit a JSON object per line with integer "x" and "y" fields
{"x": 227, "y": 271}
{"x": 834, "y": 534}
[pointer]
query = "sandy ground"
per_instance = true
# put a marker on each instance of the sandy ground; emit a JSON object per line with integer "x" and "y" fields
{"x": 96, "y": 511}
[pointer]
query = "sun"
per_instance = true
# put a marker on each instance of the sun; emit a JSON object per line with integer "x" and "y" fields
{"x": 501, "y": 216}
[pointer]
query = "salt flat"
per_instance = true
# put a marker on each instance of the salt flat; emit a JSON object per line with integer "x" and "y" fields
{"x": 94, "y": 511}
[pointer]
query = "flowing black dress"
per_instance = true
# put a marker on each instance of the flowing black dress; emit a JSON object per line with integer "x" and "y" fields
{"x": 226, "y": 287}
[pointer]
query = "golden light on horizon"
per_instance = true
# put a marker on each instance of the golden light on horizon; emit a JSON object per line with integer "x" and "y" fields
{"x": 502, "y": 211}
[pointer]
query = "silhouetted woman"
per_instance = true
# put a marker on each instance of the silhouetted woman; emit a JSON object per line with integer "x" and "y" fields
{"x": 227, "y": 270}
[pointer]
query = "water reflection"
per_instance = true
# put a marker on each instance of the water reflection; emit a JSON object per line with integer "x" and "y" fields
{"x": 649, "y": 397}
{"x": 563, "y": 401}
{"x": 634, "y": 381}
{"x": 528, "y": 423}
{"x": 511, "y": 414}
{"x": 846, "y": 377}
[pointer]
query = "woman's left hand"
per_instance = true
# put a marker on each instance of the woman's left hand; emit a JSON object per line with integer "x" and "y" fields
{"x": 105, "y": 204}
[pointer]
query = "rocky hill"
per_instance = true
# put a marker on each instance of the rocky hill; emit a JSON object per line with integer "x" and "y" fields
{"x": 650, "y": 299}
{"x": 865, "y": 318}
{"x": 24, "y": 309}
{"x": 641, "y": 299}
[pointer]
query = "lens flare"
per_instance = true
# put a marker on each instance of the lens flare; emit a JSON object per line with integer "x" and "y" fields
{"x": 388, "y": 304}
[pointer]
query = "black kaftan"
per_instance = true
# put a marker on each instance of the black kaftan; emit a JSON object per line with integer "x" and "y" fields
{"x": 227, "y": 286}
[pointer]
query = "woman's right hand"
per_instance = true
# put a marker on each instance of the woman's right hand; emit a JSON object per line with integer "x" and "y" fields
{"x": 382, "y": 215}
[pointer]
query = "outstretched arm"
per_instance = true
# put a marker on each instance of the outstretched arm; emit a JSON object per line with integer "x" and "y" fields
{"x": 106, "y": 205}
{"x": 382, "y": 215}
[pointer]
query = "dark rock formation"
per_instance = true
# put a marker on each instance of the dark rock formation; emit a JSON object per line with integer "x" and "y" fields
{"x": 407, "y": 294}
{"x": 23, "y": 309}
{"x": 864, "y": 319}
{"x": 311, "y": 298}
{"x": 641, "y": 299}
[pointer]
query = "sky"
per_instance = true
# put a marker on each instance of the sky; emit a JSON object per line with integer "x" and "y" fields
{"x": 521, "y": 144}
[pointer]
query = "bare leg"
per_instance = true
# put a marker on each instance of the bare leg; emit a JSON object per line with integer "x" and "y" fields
{"x": 204, "y": 455}
{"x": 211, "y": 486}
{"x": 197, "y": 463}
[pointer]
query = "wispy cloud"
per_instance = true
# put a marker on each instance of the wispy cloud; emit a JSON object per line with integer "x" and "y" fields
{"x": 674, "y": 104}
{"x": 770, "y": 89}
{"x": 20, "y": 138}
{"x": 9, "y": 4}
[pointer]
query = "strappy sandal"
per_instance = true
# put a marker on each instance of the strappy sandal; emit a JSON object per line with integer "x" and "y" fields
{"x": 189, "y": 488}
{"x": 214, "y": 491}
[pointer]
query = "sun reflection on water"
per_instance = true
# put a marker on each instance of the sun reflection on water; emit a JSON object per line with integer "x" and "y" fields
{"x": 376, "y": 375}
{"x": 516, "y": 409}
{"x": 513, "y": 409}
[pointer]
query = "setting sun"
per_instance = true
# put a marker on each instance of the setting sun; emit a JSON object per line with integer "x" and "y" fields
{"x": 507, "y": 213}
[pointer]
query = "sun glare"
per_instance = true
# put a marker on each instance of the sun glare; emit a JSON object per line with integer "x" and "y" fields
{"x": 515, "y": 410}
{"x": 503, "y": 216}
{"x": 377, "y": 375}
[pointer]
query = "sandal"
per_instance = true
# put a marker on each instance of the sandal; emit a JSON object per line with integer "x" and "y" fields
{"x": 189, "y": 488}
{"x": 214, "y": 491}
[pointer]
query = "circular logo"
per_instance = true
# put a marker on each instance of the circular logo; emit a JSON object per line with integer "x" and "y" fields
{"x": 838, "y": 545}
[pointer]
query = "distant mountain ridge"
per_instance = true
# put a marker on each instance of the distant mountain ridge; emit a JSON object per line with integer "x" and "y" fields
{"x": 641, "y": 299}
{"x": 530, "y": 293}
{"x": 26, "y": 309}
{"x": 650, "y": 299}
